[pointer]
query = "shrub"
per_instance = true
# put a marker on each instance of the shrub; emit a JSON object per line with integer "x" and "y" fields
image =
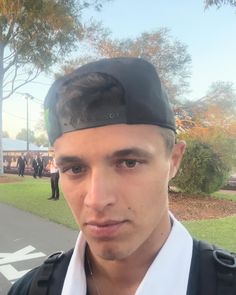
{"x": 202, "y": 169}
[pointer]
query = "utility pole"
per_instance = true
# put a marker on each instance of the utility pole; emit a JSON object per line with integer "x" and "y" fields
{"x": 27, "y": 97}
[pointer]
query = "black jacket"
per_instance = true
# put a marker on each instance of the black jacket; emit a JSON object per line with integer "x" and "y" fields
{"x": 212, "y": 272}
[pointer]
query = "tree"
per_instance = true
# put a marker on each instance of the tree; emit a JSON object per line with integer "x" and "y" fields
{"x": 34, "y": 35}
{"x": 169, "y": 56}
{"x": 219, "y": 3}
{"x": 211, "y": 120}
{"x": 222, "y": 94}
{"x": 202, "y": 169}
{"x": 23, "y": 135}
{"x": 216, "y": 109}
{"x": 41, "y": 140}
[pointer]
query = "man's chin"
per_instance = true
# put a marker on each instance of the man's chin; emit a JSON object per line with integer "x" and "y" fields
{"x": 109, "y": 252}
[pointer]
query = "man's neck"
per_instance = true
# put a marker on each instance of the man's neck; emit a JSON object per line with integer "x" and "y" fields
{"x": 121, "y": 276}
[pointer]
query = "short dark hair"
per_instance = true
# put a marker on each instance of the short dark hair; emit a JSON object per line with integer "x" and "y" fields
{"x": 169, "y": 137}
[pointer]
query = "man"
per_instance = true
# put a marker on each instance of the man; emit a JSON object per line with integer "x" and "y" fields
{"x": 40, "y": 163}
{"x": 113, "y": 133}
{"x": 21, "y": 162}
{"x": 35, "y": 167}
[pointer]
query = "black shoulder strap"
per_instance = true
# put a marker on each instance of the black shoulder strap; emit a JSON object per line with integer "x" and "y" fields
{"x": 49, "y": 278}
{"x": 226, "y": 271}
{"x": 213, "y": 270}
{"x": 21, "y": 286}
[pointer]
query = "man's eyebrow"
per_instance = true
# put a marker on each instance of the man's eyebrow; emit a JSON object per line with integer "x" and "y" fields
{"x": 134, "y": 152}
{"x": 65, "y": 160}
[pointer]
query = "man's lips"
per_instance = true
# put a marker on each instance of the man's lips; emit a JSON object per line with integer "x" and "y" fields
{"x": 104, "y": 229}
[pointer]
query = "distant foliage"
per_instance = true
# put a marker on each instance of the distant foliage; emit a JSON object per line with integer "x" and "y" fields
{"x": 167, "y": 54}
{"x": 41, "y": 140}
{"x": 211, "y": 121}
{"x": 219, "y": 3}
{"x": 202, "y": 169}
{"x": 22, "y": 135}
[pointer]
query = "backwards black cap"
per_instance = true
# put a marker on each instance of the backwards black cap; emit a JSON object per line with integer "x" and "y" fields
{"x": 145, "y": 101}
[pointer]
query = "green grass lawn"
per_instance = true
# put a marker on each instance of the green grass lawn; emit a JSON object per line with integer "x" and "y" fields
{"x": 220, "y": 231}
{"x": 227, "y": 196}
{"x": 31, "y": 195}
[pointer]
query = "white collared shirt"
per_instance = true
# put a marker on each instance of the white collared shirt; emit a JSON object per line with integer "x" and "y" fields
{"x": 167, "y": 275}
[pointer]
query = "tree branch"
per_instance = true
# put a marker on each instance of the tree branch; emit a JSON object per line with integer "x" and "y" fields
{"x": 9, "y": 74}
{"x": 11, "y": 63}
{"x": 10, "y": 31}
{"x": 29, "y": 79}
{"x": 9, "y": 57}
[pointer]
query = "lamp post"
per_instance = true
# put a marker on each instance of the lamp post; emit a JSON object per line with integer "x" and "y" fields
{"x": 27, "y": 97}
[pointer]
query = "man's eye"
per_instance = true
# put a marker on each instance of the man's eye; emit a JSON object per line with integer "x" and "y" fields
{"x": 77, "y": 169}
{"x": 74, "y": 170}
{"x": 129, "y": 163}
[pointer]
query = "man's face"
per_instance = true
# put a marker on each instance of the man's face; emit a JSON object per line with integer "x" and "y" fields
{"x": 115, "y": 180}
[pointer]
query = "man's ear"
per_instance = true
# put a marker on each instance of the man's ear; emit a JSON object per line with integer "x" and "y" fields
{"x": 176, "y": 157}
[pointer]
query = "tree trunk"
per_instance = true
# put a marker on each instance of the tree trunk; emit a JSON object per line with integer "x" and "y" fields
{"x": 1, "y": 144}
{"x": 1, "y": 106}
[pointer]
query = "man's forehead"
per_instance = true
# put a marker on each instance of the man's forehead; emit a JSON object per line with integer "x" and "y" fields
{"x": 108, "y": 139}
{"x": 110, "y": 131}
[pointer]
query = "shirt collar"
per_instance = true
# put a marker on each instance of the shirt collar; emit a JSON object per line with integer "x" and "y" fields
{"x": 168, "y": 274}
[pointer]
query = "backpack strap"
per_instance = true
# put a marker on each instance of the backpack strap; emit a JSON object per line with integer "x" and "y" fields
{"x": 226, "y": 271}
{"x": 49, "y": 278}
{"x": 213, "y": 270}
{"x": 22, "y": 285}
{"x": 207, "y": 269}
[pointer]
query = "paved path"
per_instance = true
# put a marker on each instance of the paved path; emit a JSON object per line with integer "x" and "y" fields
{"x": 25, "y": 241}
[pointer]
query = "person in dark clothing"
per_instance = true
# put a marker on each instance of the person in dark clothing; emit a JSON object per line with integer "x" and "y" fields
{"x": 40, "y": 166}
{"x": 21, "y": 162}
{"x": 35, "y": 167}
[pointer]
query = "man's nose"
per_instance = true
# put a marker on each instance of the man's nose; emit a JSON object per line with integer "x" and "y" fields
{"x": 100, "y": 190}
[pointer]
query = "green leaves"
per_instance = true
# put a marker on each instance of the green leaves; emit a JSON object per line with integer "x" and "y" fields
{"x": 219, "y": 3}
{"x": 202, "y": 169}
{"x": 42, "y": 32}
